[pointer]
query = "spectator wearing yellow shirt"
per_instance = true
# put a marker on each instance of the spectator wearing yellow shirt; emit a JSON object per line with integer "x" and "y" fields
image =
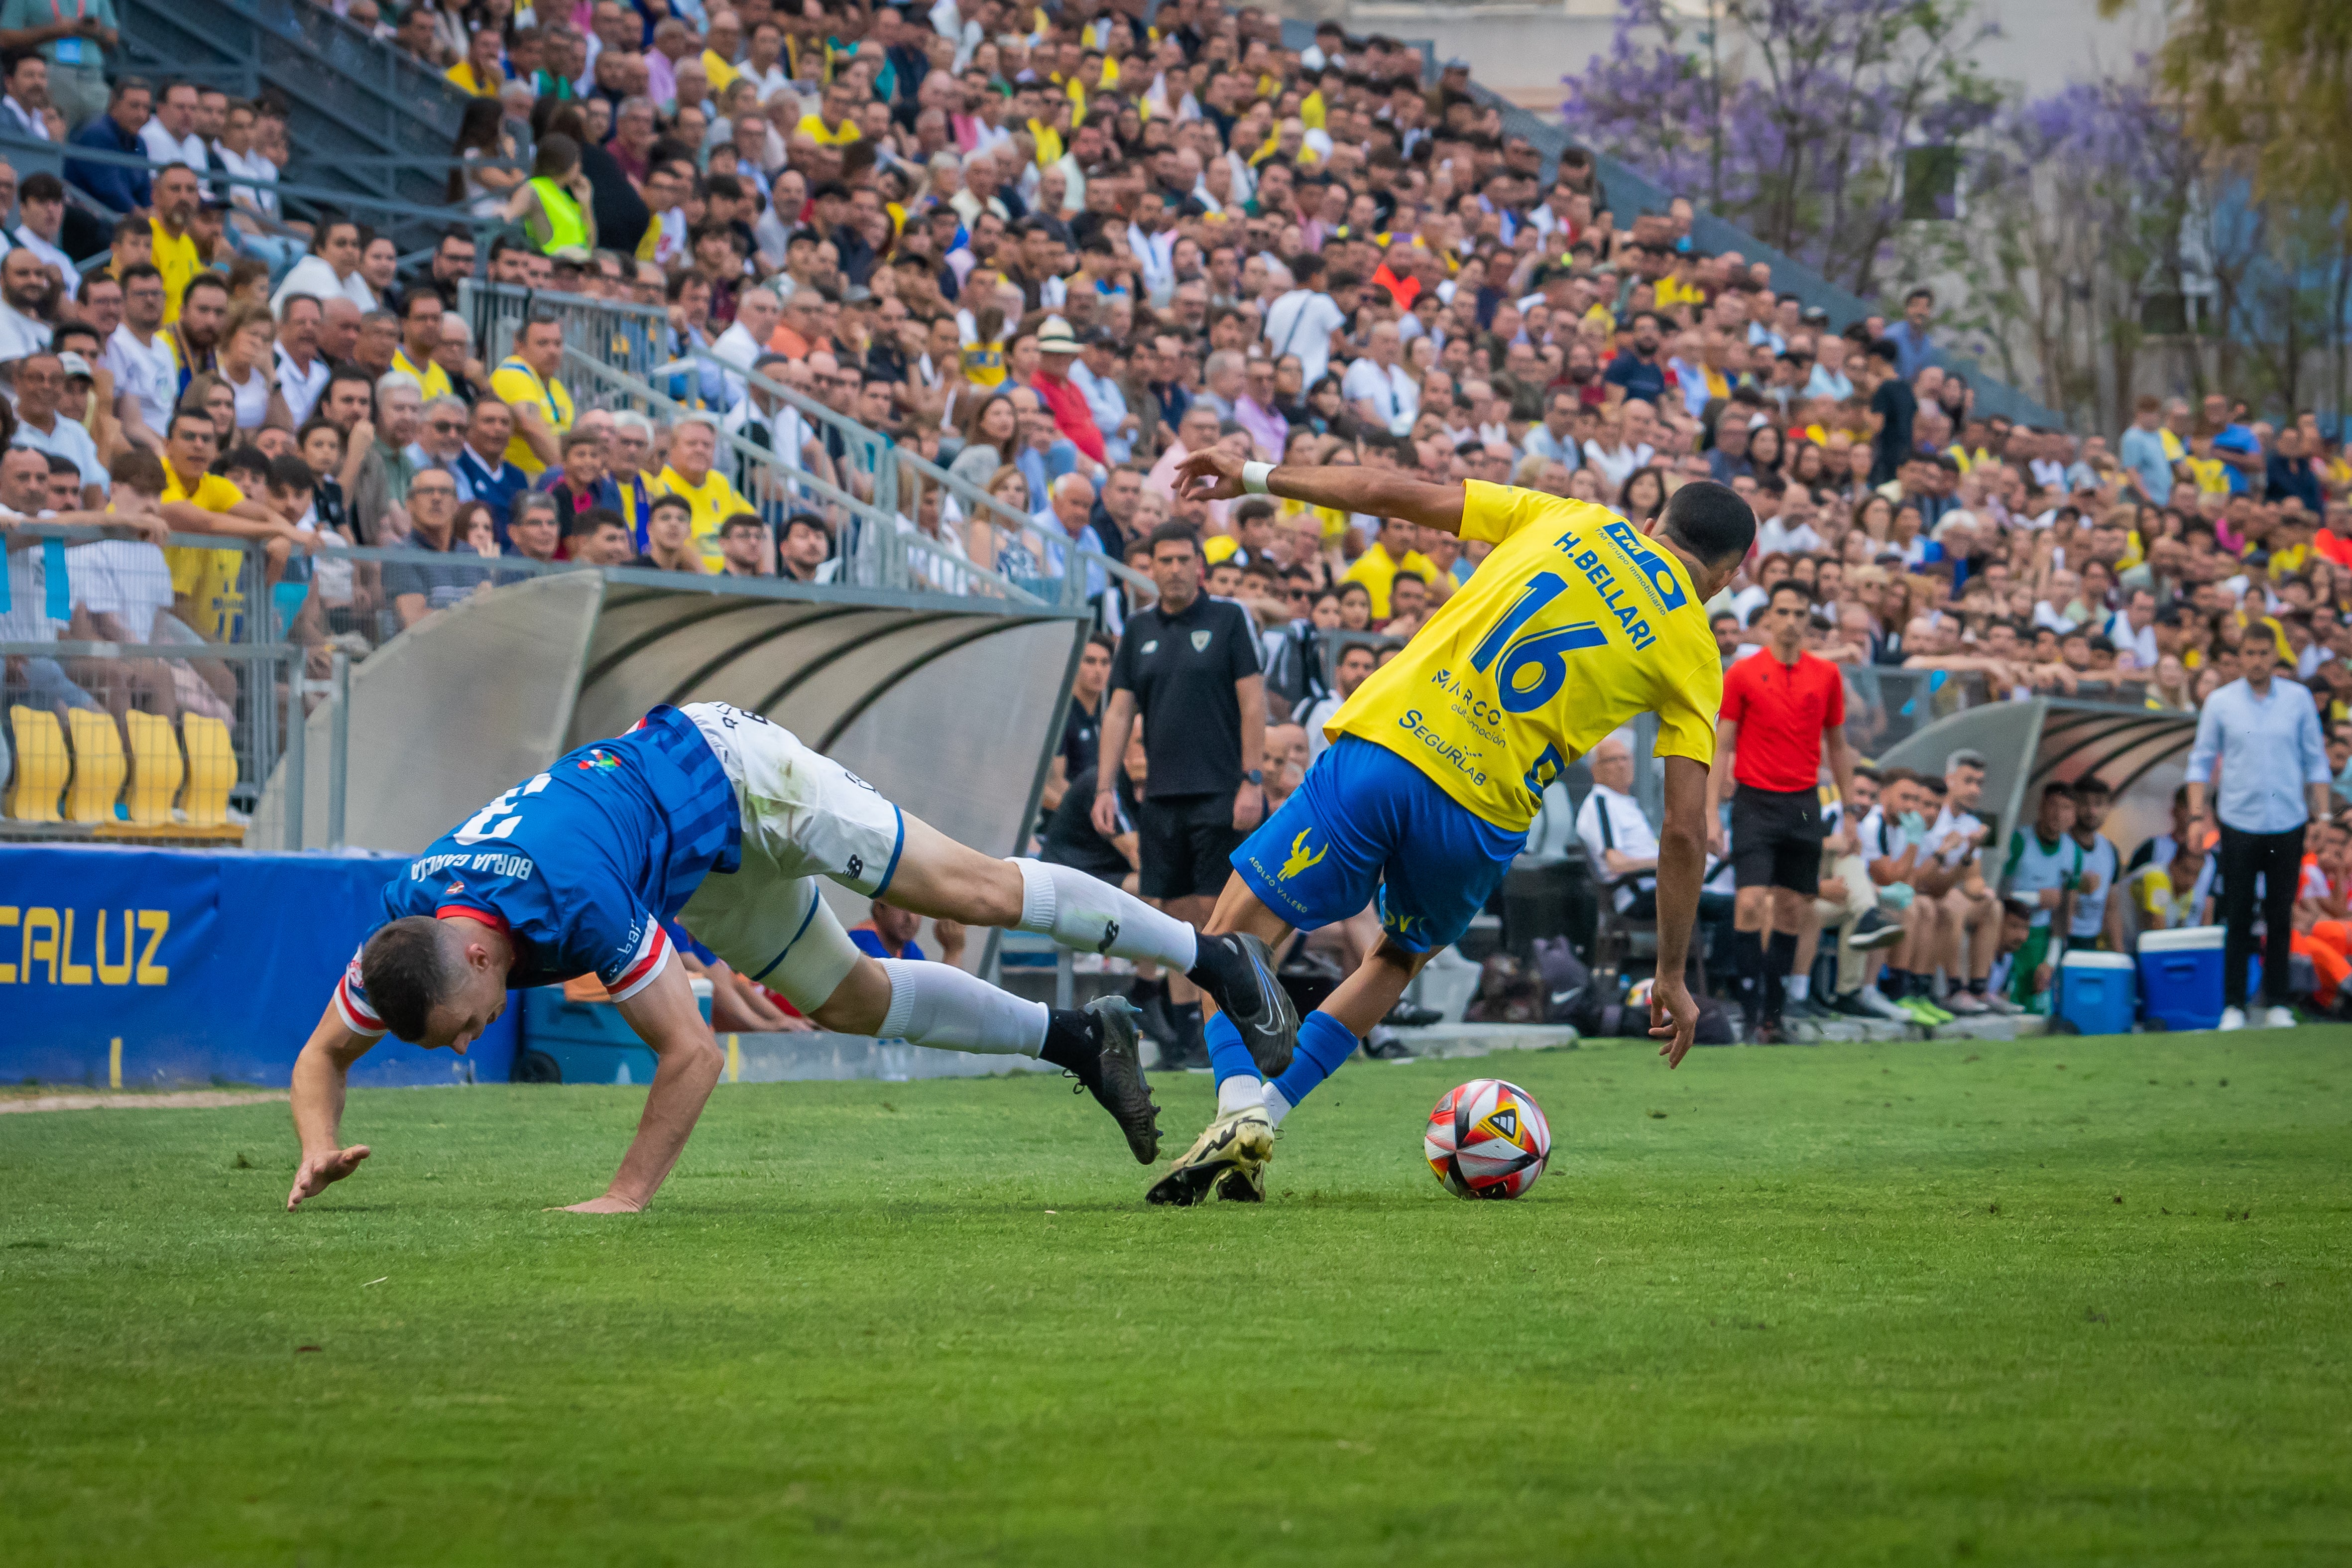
{"x": 207, "y": 585}
{"x": 483, "y": 71}
{"x": 1390, "y": 553}
{"x": 420, "y": 335}
{"x": 526, "y": 381}
{"x": 833, "y": 125}
{"x": 688, "y": 475}
{"x": 175, "y": 254}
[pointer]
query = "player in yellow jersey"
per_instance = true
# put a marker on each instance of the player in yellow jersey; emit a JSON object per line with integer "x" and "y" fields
{"x": 1575, "y": 622}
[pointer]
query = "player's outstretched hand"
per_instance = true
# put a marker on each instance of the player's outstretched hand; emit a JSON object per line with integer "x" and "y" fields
{"x": 1209, "y": 474}
{"x": 608, "y": 1204}
{"x": 319, "y": 1172}
{"x": 1674, "y": 1018}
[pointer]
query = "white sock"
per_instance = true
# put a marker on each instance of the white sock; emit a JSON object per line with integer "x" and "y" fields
{"x": 1800, "y": 986}
{"x": 1090, "y": 915}
{"x": 1277, "y": 1107}
{"x": 1240, "y": 1092}
{"x": 938, "y": 1005}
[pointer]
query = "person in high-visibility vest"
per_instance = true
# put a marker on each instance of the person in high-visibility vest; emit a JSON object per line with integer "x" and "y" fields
{"x": 556, "y": 206}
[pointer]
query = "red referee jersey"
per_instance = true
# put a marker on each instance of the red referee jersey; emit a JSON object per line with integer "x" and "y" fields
{"x": 1781, "y": 711}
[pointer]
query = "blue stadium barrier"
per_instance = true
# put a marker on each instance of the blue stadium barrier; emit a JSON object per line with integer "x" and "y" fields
{"x": 154, "y": 968}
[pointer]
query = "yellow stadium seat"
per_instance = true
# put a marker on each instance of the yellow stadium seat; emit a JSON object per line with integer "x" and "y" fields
{"x": 156, "y": 769}
{"x": 100, "y": 767}
{"x": 212, "y": 770}
{"x": 42, "y": 765}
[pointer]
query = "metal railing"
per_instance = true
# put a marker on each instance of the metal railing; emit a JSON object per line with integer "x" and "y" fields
{"x": 145, "y": 694}
{"x": 875, "y": 547}
{"x": 629, "y": 337}
{"x": 1065, "y": 572}
{"x": 350, "y": 93}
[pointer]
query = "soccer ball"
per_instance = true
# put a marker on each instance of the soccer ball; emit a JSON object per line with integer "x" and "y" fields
{"x": 1487, "y": 1139}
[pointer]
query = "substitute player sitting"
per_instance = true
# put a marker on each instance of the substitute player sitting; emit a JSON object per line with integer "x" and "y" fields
{"x": 713, "y": 815}
{"x": 1577, "y": 622}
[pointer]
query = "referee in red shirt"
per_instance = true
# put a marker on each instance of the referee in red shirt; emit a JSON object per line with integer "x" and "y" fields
{"x": 1782, "y": 708}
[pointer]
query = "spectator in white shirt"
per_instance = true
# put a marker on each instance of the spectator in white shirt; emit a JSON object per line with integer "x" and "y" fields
{"x": 1616, "y": 834}
{"x": 24, "y": 288}
{"x": 40, "y": 382}
{"x": 1383, "y": 392}
{"x": 146, "y": 374}
{"x": 301, "y": 369}
{"x": 170, "y": 134}
{"x": 25, "y": 110}
{"x": 41, "y": 203}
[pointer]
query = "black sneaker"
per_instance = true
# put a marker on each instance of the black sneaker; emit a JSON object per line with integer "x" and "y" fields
{"x": 1238, "y": 971}
{"x": 1872, "y": 931}
{"x": 1405, "y": 1015}
{"x": 1850, "y": 1006}
{"x": 1118, "y": 1085}
{"x": 1382, "y": 1046}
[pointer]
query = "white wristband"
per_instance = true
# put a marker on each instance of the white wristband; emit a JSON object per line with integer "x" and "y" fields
{"x": 1253, "y": 477}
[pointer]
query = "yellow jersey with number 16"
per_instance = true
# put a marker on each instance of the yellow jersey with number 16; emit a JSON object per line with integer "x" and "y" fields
{"x": 1574, "y": 623}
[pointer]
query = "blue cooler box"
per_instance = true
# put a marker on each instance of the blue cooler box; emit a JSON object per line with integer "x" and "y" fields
{"x": 2180, "y": 977}
{"x": 565, "y": 1041}
{"x": 2095, "y": 992}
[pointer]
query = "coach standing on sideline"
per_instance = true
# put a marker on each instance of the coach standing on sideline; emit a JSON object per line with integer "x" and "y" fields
{"x": 1187, "y": 668}
{"x": 1779, "y": 710}
{"x": 2265, "y": 732}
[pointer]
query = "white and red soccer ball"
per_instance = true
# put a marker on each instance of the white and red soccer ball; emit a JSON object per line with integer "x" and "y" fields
{"x": 1487, "y": 1139}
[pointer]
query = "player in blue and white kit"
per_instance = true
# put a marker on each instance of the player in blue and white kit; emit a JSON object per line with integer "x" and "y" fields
{"x": 717, "y": 817}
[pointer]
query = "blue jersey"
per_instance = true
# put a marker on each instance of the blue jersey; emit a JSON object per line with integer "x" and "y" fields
{"x": 581, "y": 864}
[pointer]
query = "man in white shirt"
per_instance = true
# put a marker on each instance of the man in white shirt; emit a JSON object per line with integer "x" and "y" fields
{"x": 757, "y": 311}
{"x": 170, "y": 134}
{"x": 301, "y": 369}
{"x": 24, "y": 291}
{"x": 23, "y": 112}
{"x": 41, "y": 202}
{"x": 1636, "y": 421}
{"x": 1554, "y": 439}
{"x": 1616, "y": 834}
{"x": 1789, "y": 530}
{"x": 1970, "y": 913}
{"x": 40, "y": 382}
{"x": 146, "y": 375}
{"x": 1303, "y": 320}
{"x": 2133, "y": 628}
{"x": 1383, "y": 392}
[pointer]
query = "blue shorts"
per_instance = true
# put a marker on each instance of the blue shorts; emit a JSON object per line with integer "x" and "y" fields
{"x": 1365, "y": 821}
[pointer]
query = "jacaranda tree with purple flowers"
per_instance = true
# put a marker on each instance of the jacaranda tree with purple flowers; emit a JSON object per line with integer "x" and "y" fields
{"x": 1791, "y": 117}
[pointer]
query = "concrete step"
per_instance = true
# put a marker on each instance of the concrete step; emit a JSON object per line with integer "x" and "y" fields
{"x": 2018, "y": 1026}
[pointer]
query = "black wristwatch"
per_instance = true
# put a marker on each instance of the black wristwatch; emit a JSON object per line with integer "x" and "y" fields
{"x": 1255, "y": 776}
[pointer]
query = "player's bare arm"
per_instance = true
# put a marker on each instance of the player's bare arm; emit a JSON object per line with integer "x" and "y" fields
{"x": 320, "y": 1073}
{"x": 1214, "y": 474}
{"x": 1718, "y": 782}
{"x": 688, "y": 1060}
{"x": 1682, "y": 865}
{"x": 1119, "y": 718}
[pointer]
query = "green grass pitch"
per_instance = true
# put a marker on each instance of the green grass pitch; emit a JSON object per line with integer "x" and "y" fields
{"x": 2070, "y": 1300}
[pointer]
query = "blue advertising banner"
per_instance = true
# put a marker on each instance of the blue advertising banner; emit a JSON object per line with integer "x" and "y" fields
{"x": 148, "y": 967}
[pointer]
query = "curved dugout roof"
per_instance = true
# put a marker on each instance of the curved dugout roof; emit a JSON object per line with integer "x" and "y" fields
{"x": 2140, "y": 753}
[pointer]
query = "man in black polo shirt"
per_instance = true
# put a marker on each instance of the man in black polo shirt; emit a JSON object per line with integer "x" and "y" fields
{"x": 1188, "y": 667}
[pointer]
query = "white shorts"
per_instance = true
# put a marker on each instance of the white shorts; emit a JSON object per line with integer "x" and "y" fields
{"x": 804, "y": 817}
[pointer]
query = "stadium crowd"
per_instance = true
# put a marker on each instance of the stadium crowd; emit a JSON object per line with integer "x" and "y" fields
{"x": 1054, "y": 249}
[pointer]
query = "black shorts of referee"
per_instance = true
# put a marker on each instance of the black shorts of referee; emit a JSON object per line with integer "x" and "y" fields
{"x": 1186, "y": 845}
{"x": 1776, "y": 839}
